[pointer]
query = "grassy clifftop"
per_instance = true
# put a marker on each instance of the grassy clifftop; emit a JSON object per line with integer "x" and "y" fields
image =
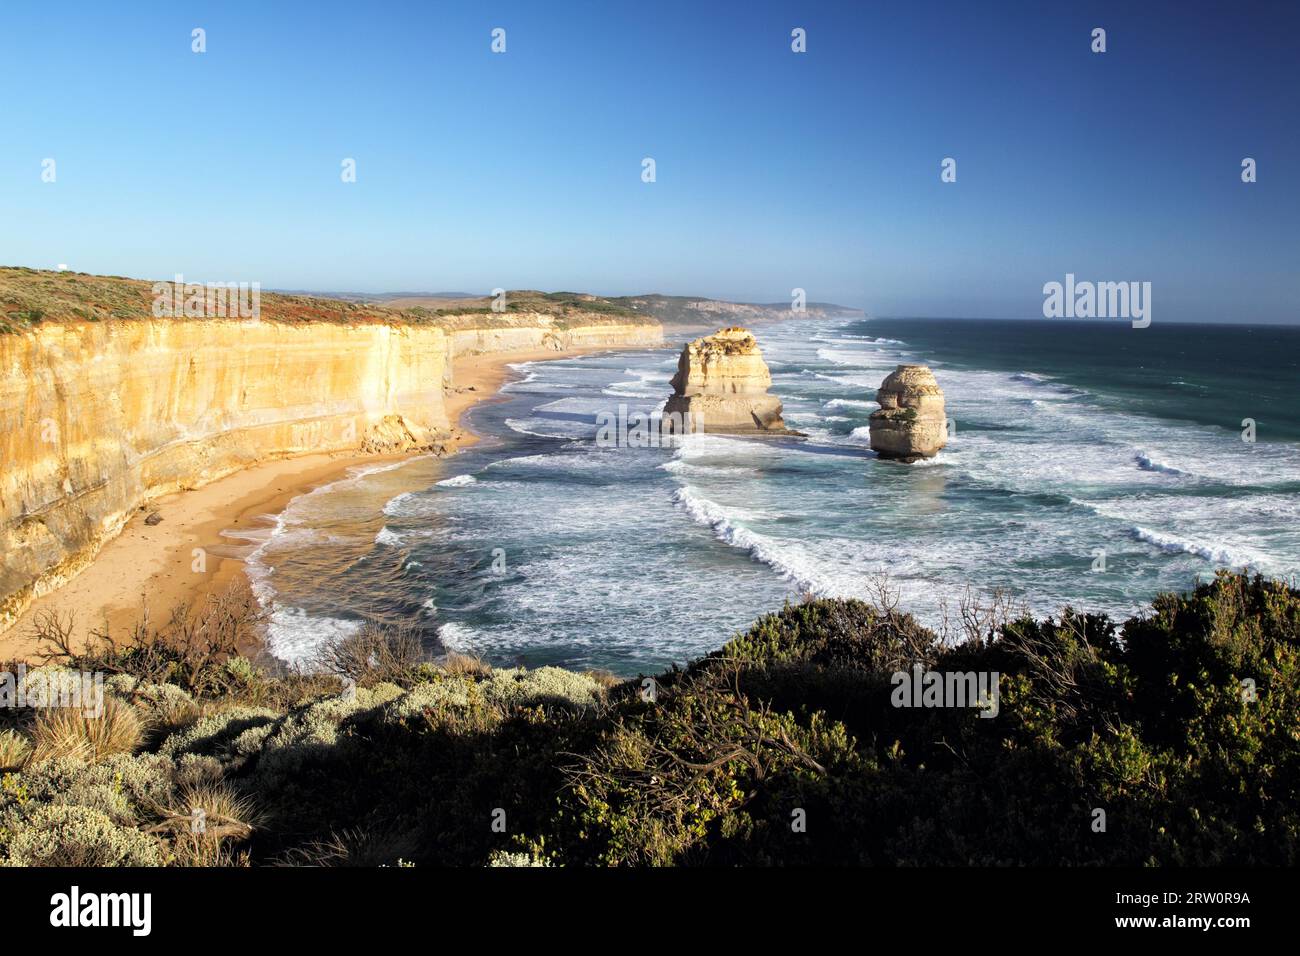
{"x": 29, "y": 297}
{"x": 694, "y": 311}
{"x": 1177, "y": 743}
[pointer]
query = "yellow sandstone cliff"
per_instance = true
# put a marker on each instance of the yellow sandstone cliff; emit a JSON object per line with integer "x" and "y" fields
{"x": 100, "y": 417}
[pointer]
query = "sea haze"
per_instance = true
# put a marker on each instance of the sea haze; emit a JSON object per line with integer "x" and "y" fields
{"x": 537, "y": 547}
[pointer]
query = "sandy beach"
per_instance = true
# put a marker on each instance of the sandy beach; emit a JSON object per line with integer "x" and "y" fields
{"x": 153, "y": 567}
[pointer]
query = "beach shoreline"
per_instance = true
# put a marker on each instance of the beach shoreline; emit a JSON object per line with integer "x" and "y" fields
{"x": 156, "y": 568}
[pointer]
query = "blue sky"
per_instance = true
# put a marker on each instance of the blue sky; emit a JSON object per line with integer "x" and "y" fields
{"x": 775, "y": 170}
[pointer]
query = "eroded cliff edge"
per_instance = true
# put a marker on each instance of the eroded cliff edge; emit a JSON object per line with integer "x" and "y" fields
{"x": 100, "y": 417}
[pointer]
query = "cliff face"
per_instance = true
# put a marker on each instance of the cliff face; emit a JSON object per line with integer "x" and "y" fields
{"x": 911, "y": 422}
{"x": 535, "y": 330}
{"x": 722, "y": 382}
{"x": 687, "y": 311}
{"x": 97, "y": 418}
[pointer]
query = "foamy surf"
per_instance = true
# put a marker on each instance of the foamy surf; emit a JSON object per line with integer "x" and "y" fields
{"x": 457, "y": 637}
{"x": 550, "y": 428}
{"x": 630, "y": 558}
{"x": 297, "y": 638}
{"x": 1215, "y": 554}
{"x": 1147, "y": 462}
{"x": 726, "y": 529}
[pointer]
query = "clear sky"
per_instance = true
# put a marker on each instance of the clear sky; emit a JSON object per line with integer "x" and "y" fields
{"x": 774, "y": 170}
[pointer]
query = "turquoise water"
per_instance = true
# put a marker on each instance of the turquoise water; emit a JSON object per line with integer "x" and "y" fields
{"x": 538, "y": 547}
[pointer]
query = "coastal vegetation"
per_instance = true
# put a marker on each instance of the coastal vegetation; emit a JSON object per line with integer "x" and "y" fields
{"x": 1173, "y": 738}
{"x": 29, "y": 297}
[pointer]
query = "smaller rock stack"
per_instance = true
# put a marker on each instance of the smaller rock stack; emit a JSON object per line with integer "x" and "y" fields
{"x": 911, "y": 423}
{"x": 722, "y": 383}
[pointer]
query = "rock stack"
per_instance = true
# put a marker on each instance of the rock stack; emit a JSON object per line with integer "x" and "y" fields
{"x": 721, "y": 384}
{"x": 911, "y": 422}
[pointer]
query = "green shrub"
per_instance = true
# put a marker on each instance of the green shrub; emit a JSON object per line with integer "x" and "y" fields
{"x": 166, "y": 707}
{"x": 543, "y": 685}
{"x": 432, "y": 696}
{"x": 122, "y": 786}
{"x": 73, "y": 836}
{"x": 311, "y": 731}
{"x": 215, "y": 734}
{"x": 784, "y": 747}
{"x": 511, "y": 858}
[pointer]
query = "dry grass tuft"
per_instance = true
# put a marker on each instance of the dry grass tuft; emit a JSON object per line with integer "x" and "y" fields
{"x": 206, "y": 818}
{"x": 68, "y": 732}
{"x": 465, "y": 665}
{"x": 352, "y": 847}
{"x": 15, "y": 748}
{"x": 606, "y": 679}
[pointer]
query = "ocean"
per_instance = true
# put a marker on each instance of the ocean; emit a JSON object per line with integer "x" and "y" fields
{"x": 1091, "y": 464}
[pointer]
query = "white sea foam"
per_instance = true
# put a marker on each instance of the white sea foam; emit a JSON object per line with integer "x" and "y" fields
{"x": 855, "y": 358}
{"x": 456, "y": 637}
{"x": 550, "y": 428}
{"x": 292, "y": 634}
{"x": 1147, "y": 462}
{"x": 645, "y": 383}
{"x": 677, "y": 466}
{"x": 588, "y": 459}
{"x": 457, "y": 481}
{"x": 296, "y": 637}
{"x": 357, "y": 474}
{"x": 1216, "y": 554}
{"x": 854, "y": 382}
{"x": 255, "y": 566}
{"x": 759, "y": 546}
{"x": 395, "y": 506}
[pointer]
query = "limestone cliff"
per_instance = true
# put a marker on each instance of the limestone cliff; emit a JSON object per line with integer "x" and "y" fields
{"x": 472, "y": 335}
{"x": 99, "y": 417}
{"x": 911, "y": 422}
{"x": 722, "y": 383}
